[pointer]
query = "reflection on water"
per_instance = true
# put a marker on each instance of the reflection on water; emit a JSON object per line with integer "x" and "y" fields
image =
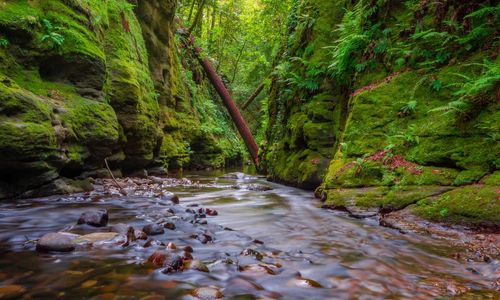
{"x": 343, "y": 258}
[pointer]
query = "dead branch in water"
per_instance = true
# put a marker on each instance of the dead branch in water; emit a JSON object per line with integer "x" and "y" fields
{"x": 113, "y": 177}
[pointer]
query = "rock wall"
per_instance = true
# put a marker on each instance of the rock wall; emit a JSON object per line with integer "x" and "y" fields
{"x": 81, "y": 81}
{"x": 370, "y": 94}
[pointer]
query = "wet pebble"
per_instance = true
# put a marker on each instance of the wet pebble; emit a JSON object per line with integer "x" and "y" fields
{"x": 170, "y": 197}
{"x": 211, "y": 212}
{"x": 11, "y": 291}
{"x": 207, "y": 293}
{"x": 96, "y": 237}
{"x": 198, "y": 265}
{"x": 204, "y": 238}
{"x": 303, "y": 283}
{"x": 188, "y": 249}
{"x": 120, "y": 228}
{"x": 140, "y": 235}
{"x": 57, "y": 242}
{"x": 171, "y": 246}
{"x": 153, "y": 229}
{"x": 170, "y": 226}
{"x": 166, "y": 259}
{"x": 97, "y": 218}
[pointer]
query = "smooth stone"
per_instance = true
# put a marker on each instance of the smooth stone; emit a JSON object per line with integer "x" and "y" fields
{"x": 170, "y": 226}
{"x": 207, "y": 293}
{"x": 166, "y": 259}
{"x": 11, "y": 291}
{"x": 120, "y": 228}
{"x": 140, "y": 235}
{"x": 171, "y": 246}
{"x": 304, "y": 283}
{"x": 170, "y": 197}
{"x": 199, "y": 266}
{"x": 153, "y": 229}
{"x": 96, "y": 237}
{"x": 97, "y": 218}
{"x": 56, "y": 241}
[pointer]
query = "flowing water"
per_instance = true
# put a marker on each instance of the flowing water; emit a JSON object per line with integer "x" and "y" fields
{"x": 302, "y": 251}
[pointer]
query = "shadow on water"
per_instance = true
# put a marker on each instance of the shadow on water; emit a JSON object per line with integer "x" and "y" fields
{"x": 302, "y": 252}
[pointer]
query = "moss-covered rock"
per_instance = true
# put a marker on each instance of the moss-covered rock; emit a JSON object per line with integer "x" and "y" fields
{"x": 469, "y": 205}
{"x": 81, "y": 81}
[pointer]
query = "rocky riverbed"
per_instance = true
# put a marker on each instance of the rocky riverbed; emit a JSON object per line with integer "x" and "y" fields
{"x": 209, "y": 236}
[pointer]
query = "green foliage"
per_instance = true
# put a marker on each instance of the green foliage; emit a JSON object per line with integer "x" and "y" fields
{"x": 4, "y": 42}
{"x": 409, "y": 137}
{"x": 352, "y": 40}
{"x": 409, "y": 108}
{"x": 473, "y": 91}
{"x": 51, "y": 36}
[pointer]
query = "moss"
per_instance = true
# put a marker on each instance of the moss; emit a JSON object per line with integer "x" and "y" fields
{"x": 492, "y": 179}
{"x": 470, "y": 205}
{"x": 469, "y": 176}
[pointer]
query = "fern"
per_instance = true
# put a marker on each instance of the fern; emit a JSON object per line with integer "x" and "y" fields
{"x": 4, "y": 42}
{"x": 352, "y": 40}
{"x": 54, "y": 38}
{"x": 409, "y": 108}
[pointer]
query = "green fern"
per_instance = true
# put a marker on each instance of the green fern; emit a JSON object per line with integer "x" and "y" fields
{"x": 4, "y": 42}
{"x": 54, "y": 38}
{"x": 352, "y": 40}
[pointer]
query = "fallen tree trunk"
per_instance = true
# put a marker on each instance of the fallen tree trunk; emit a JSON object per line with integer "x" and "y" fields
{"x": 254, "y": 95}
{"x": 235, "y": 114}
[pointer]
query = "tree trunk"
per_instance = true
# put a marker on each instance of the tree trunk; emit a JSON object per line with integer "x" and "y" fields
{"x": 235, "y": 114}
{"x": 240, "y": 54}
{"x": 199, "y": 14}
{"x": 252, "y": 97}
{"x": 191, "y": 10}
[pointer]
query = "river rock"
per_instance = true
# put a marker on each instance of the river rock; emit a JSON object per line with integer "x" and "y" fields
{"x": 58, "y": 242}
{"x": 96, "y": 237}
{"x": 170, "y": 226}
{"x": 140, "y": 235}
{"x": 120, "y": 228}
{"x": 168, "y": 196}
{"x": 97, "y": 218}
{"x": 198, "y": 265}
{"x": 170, "y": 261}
{"x": 153, "y": 229}
{"x": 252, "y": 187}
{"x": 11, "y": 291}
{"x": 207, "y": 293}
{"x": 303, "y": 283}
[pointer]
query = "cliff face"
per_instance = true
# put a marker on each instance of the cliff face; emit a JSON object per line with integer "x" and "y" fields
{"x": 388, "y": 103}
{"x": 81, "y": 81}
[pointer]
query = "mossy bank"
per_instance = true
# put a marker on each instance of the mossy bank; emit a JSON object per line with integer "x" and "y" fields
{"x": 84, "y": 81}
{"x": 388, "y": 104}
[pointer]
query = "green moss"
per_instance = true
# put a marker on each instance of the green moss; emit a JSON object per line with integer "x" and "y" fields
{"x": 492, "y": 179}
{"x": 470, "y": 205}
{"x": 469, "y": 176}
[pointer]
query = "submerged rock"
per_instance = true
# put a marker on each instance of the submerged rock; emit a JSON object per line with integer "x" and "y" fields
{"x": 96, "y": 237}
{"x": 304, "y": 283}
{"x": 57, "y": 242}
{"x": 153, "y": 229}
{"x": 170, "y": 261}
{"x": 252, "y": 187}
{"x": 170, "y": 197}
{"x": 199, "y": 266}
{"x": 207, "y": 293}
{"x": 11, "y": 291}
{"x": 98, "y": 218}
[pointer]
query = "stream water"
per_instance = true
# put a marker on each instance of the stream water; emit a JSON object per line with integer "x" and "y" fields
{"x": 301, "y": 251}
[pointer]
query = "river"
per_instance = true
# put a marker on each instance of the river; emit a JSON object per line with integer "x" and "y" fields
{"x": 273, "y": 243}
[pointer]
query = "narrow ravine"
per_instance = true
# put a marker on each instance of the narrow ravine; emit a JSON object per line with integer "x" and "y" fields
{"x": 266, "y": 240}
